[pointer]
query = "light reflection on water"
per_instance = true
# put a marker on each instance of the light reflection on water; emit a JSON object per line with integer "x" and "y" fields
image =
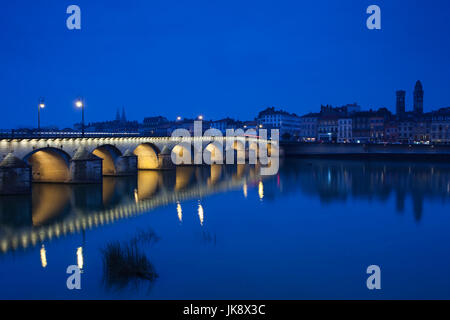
{"x": 228, "y": 226}
{"x": 62, "y": 206}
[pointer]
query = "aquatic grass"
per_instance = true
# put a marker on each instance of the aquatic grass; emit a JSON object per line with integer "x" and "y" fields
{"x": 125, "y": 264}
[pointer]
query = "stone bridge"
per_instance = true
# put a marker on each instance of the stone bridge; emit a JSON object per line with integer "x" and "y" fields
{"x": 86, "y": 160}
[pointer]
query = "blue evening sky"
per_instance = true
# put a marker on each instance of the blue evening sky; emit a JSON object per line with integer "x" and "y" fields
{"x": 217, "y": 58}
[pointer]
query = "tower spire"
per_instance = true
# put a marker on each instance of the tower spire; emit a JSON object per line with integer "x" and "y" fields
{"x": 124, "y": 118}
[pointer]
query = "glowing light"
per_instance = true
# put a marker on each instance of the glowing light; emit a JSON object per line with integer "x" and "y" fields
{"x": 178, "y": 118}
{"x": 43, "y": 257}
{"x": 79, "y": 104}
{"x": 200, "y": 213}
{"x": 200, "y": 117}
{"x": 41, "y": 105}
{"x": 244, "y": 189}
{"x": 261, "y": 190}
{"x": 4, "y": 246}
{"x": 80, "y": 257}
{"x": 260, "y": 125}
{"x": 179, "y": 212}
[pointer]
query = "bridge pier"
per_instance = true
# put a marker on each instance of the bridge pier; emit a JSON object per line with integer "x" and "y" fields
{"x": 126, "y": 165}
{"x": 85, "y": 167}
{"x": 165, "y": 159}
{"x": 15, "y": 176}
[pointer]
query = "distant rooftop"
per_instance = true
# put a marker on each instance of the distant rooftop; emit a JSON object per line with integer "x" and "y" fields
{"x": 271, "y": 110}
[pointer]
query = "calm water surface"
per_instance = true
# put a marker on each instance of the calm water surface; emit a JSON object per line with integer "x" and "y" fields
{"x": 223, "y": 232}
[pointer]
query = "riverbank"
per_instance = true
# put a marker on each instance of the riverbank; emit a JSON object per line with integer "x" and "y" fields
{"x": 361, "y": 151}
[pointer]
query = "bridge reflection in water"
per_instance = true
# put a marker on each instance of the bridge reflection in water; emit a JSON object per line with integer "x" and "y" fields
{"x": 54, "y": 210}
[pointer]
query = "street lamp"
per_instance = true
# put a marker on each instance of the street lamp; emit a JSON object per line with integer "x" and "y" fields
{"x": 178, "y": 118}
{"x": 200, "y": 117}
{"x": 41, "y": 105}
{"x": 80, "y": 104}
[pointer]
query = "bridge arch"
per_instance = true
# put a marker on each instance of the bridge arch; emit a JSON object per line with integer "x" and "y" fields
{"x": 238, "y": 145}
{"x": 49, "y": 165}
{"x": 213, "y": 154}
{"x": 182, "y": 154}
{"x": 259, "y": 151}
{"x": 109, "y": 154}
{"x": 147, "y": 156}
{"x": 238, "y": 151}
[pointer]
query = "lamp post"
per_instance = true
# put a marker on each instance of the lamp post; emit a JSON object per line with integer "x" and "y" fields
{"x": 80, "y": 104}
{"x": 41, "y": 105}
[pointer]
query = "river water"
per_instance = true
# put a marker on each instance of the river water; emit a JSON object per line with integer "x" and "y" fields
{"x": 224, "y": 232}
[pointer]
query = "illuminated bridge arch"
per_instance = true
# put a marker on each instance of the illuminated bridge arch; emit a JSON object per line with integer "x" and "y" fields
{"x": 239, "y": 152}
{"x": 109, "y": 154}
{"x": 49, "y": 165}
{"x": 254, "y": 150}
{"x": 147, "y": 155}
{"x": 213, "y": 154}
{"x": 182, "y": 154}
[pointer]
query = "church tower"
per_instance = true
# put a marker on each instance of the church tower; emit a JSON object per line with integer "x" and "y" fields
{"x": 418, "y": 97}
{"x": 123, "y": 118}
